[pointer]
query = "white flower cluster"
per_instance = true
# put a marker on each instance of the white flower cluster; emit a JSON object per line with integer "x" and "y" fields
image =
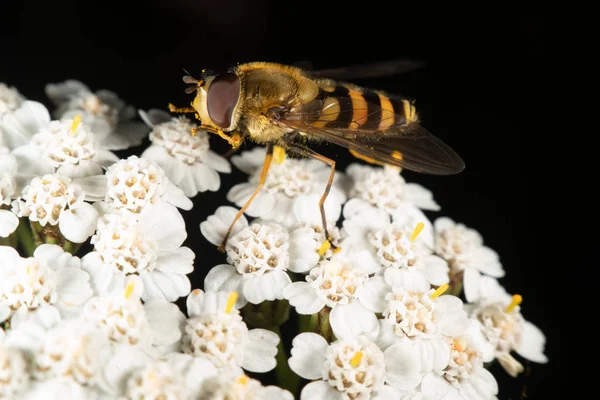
{"x": 92, "y": 261}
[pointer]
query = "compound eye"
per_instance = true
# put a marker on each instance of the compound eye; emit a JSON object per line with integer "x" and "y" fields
{"x": 223, "y": 95}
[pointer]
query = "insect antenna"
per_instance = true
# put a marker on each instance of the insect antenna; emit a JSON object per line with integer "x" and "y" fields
{"x": 191, "y": 81}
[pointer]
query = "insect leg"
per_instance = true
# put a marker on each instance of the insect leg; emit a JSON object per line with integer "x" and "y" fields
{"x": 181, "y": 110}
{"x": 306, "y": 152}
{"x": 236, "y": 146}
{"x": 261, "y": 182}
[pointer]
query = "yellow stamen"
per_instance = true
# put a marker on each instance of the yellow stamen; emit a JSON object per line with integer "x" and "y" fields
{"x": 337, "y": 250}
{"x": 233, "y": 296}
{"x": 417, "y": 231}
{"x": 278, "y": 155}
{"x": 75, "y": 123}
{"x": 324, "y": 247}
{"x": 516, "y": 300}
{"x": 129, "y": 289}
{"x": 242, "y": 380}
{"x": 439, "y": 291}
{"x": 356, "y": 359}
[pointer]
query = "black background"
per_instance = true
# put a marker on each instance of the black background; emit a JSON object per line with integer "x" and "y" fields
{"x": 479, "y": 79}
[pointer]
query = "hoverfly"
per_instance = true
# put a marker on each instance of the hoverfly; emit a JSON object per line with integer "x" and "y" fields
{"x": 280, "y": 105}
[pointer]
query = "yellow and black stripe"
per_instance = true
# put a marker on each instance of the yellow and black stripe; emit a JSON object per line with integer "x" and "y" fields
{"x": 352, "y": 108}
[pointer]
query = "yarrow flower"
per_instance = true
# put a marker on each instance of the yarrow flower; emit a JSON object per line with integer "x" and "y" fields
{"x": 51, "y": 279}
{"x": 135, "y": 185}
{"x": 8, "y": 191}
{"x": 499, "y": 328}
{"x": 107, "y": 115}
{"x": 125, "y": 245}
{"x": 14, "y": 374}
{"x": 288, "y": 183}
{"x": 387, "y": 190}
{"x": 53, "y": 201}
{"x": 69, "y": 148}
{"x": 19, "y": 118}
{"x": 10, "y": 99}
{"x": 216, "y": 332}
{"x": 234, "y": 385}
{"x": 257, "y": 255}
{"x": 404, "y": 243}
{"x": 187, "y": 160}
{"x": 463, "y": 248}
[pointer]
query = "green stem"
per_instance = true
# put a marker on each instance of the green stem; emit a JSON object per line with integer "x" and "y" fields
{"x": 25, "y": 237}
{"x": 324, "y": 326}
{"x": 286, "y": 378}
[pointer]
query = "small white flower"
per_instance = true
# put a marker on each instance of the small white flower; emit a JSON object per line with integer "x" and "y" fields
{"x": 463, "y": 248}
{"x": 499, "y": 328}
{"x": 103, "y": 110}
{"x": 216, "y": 332}
{"x": 150, "y": 247}
{"x": 68, "y": 148}
{"x": 14, "y": 377}
{"x": 10, "y": 99}
{"x": 258, "y": 258}
{"x": 404, "y": 243}
{"x": 8, "y": 191}
{"x": 51, "y": 278}
{"x": 19, "y": 118}
{"x": 385, "y": 189}
{"x": 187, "y": 160}
{"x": 338, "y": 284}
{"x": 136, "y": 184}
{"x": 53, "y": 200}
{"x": 286, "y": 184}
{"x": 465, "y": 376}
{"x": 177, "y": 376}
{"x": 232, "y": 385}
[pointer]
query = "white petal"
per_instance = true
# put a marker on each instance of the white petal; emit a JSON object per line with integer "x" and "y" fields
{"x": 167, "y": 227}
{"x": 421, "y": 197}
{"x": 170, "y": 286}
{"x": 320, "y": 390}
{"x": 353, "y": 319}
{"x": 9, "y": 256}
{"x": 408, "y": 279}
{"x": 205, "y": 178}
{"x": 260, "y": 351}
{"x": 199, "y": 302}
{"x": 215, "y": 227}
{"x": 266, "y": 287}
{"x": 5, "y": 312}
{"x": 27, "y": 120}
{"x": 249, "y": 161}
{"x": 8, "y": 223}
{"x": 63, "y": 91}
{"x": 434, "y": 354}
{"x": 274, "y": 393}
{"x": 403, "y": 366}
{"x": 303, "y": 297}
{"x": 450, "y": 316}
{"x": 94, "y": 187}
{"x": 105, "y": 158}
{"x": 486, "y": 260}
{"x": 472, "y": 284}
{"x": 55, "y": 257}
{"x": 362, "y": 260}
{"x": 74, "y": 289}
{"x": 166, "y": 320}
{"x": 30, "y": 163}
{"x": 119, "y": 366}
{"x": 225, "y": 278}
{"x": 436, "y": 270}
{"x": 79, "y": 224}
{"x": 303, "y": 257}
{"x": 372, "y": 295}
{"x": 174, "y": 169}
{"x": 532, "y": 343}
{"x": 240, "y": 193}
{"x": 387, "y": 393}
{"x": 179, "y": 261}
{"x": 154, "y": 116}
{"x": 175, "y": 196}
{"x": 194, "y": 370}
{"x": 479, "y": 341}
{"x": 216, "y": 162}
{"x": 409, "y": 215}
{"x": 368, "y": 219}
{"x": 102, "y": 275}
{"x": 308, "y": 355}
{"x": 306, "y": 210}
{"x": 386, "y": 336}
{"x": 83, "y": 169}
{"x": 436, "y": 387}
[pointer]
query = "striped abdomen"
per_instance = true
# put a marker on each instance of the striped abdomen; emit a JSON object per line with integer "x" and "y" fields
{"x": 350, "y": 107}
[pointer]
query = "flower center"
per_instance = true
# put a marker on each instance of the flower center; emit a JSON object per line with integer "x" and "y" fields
{"x": 122, "y": 244}
{"x": 156, "y": 381}
{"x": 14, "y": 376}
{"x": 134, "y": 183}
{"x": 44, "y": 199}
{"x": 323, "y": 246}
{"x": 500, "y": 328}
{"x": 122, "y": 319}
{"x": 394, "y": 246}
{"x": 463, "y": 361}
{"x": 382, "y": 187}
{"x": 411, "y": 313}
{"x": 10, "y": 99}
{"x": 336, "y": 282}
{"x": 227, "y": 386}
{"x": 91, "y": 104}
{"x": 216, "y": 337}
{"x": 259, "y": 249}
{"x": 354, "y": 367}
{"x": 456, "y": 243}
{"x": 64, "y": 142}
{"x": 291, "y": 178}
{"x": 29, "y": 284}
{"x": 68, "y": 353}
{"x": 7, "y": 189}
{"x": 176, "y": 138}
